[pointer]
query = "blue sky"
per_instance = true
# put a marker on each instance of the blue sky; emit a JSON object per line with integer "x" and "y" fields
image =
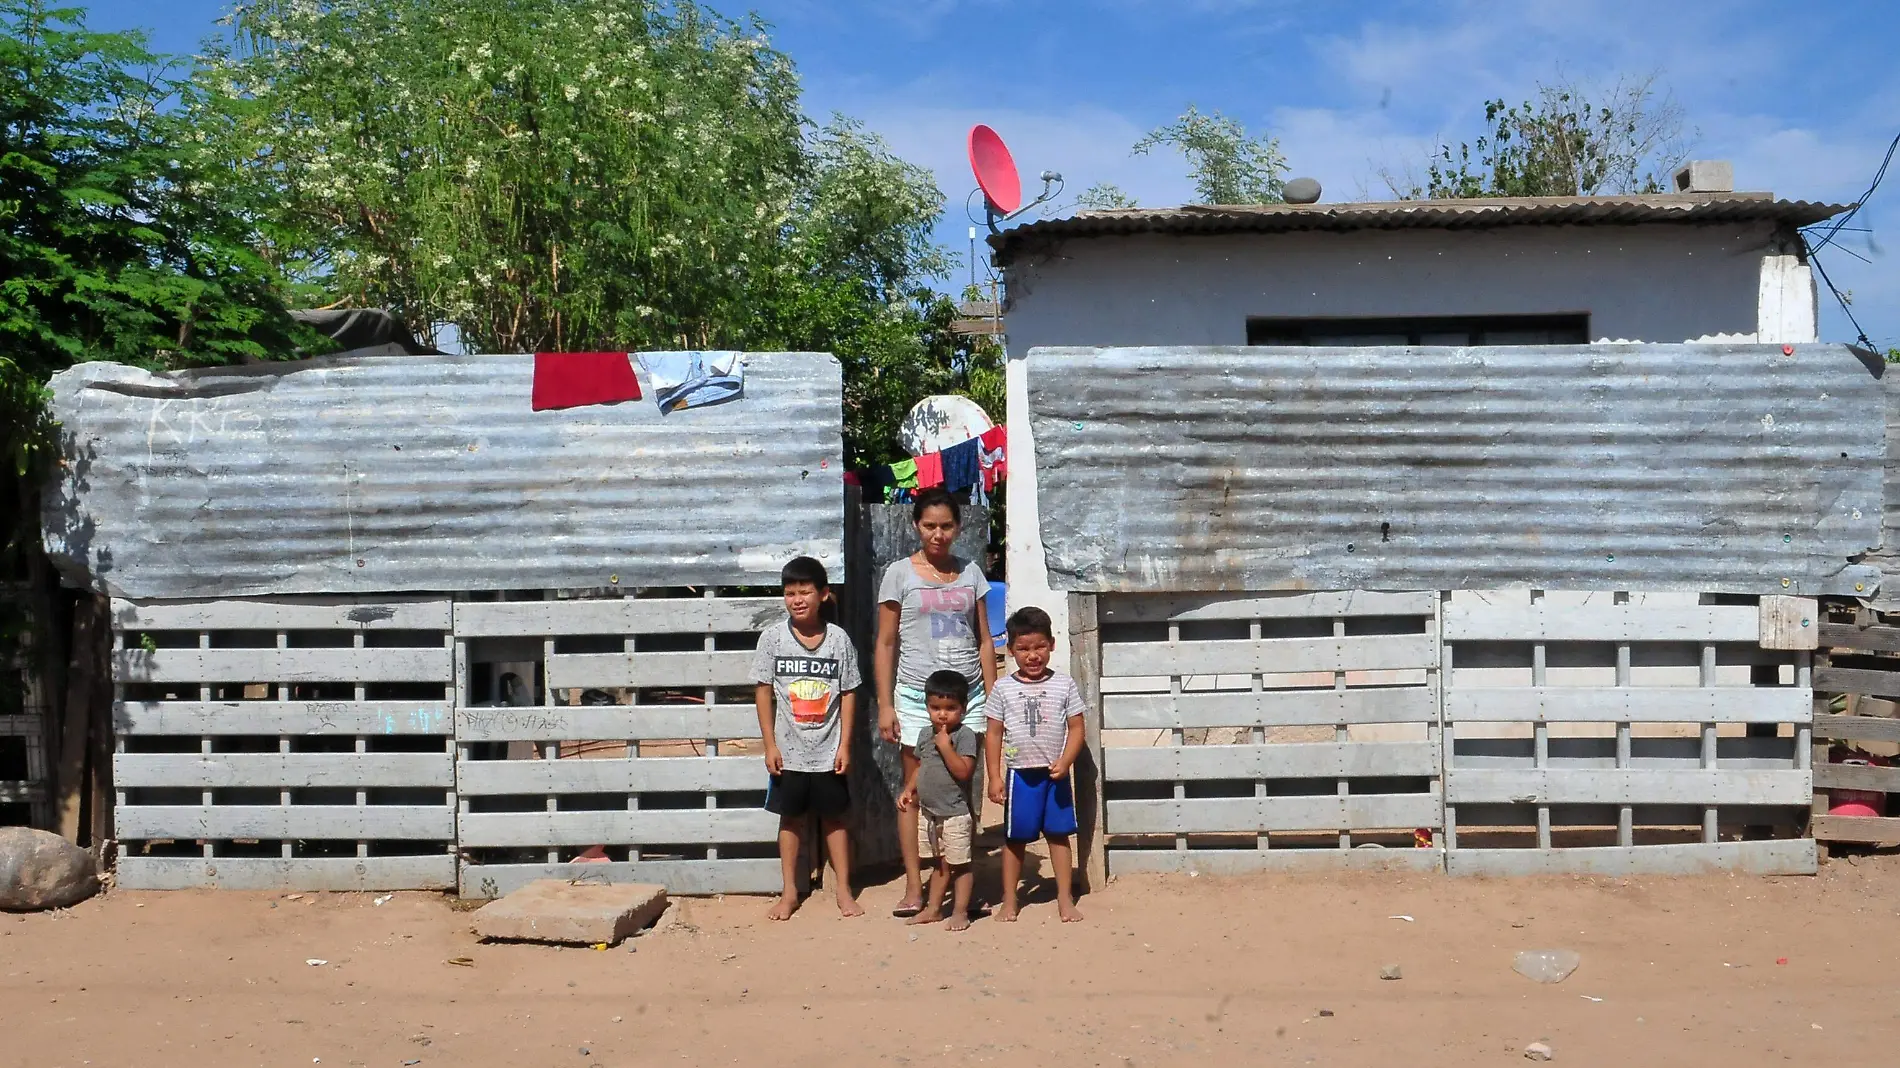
{"x": 1802, "y": 97}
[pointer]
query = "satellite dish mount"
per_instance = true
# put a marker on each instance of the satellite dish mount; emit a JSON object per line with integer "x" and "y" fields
{"x": 996, "y": 177}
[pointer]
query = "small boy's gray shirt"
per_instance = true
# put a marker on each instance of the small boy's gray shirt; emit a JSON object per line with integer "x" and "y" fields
{"x": 938, "y": 792}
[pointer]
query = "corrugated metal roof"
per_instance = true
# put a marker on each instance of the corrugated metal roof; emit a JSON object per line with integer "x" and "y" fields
{"x": 355, "y": 475}
{"x": 1611, "y": 467}
{"x": 1418, "y": 214}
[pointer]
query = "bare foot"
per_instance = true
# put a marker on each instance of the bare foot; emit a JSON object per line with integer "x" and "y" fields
{"x": 1068, "y": 912}
{"x": 926, "y": 916}
{"x": 1007, "y": 913}
{"x": 959, "y": 921}
{"x": 783, "y": 909}
{"x": 848, "y": 905}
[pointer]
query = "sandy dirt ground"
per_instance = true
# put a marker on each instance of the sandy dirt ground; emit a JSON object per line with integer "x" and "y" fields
{"x": 1165, "y": 970}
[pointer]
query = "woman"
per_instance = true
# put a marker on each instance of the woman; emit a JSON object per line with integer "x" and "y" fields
{"x": 930, "y": 616}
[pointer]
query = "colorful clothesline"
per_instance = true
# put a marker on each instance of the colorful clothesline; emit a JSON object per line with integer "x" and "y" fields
{"x": 978, "y": 463}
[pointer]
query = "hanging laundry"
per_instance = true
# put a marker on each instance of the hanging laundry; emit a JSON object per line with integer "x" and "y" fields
{"x": 694, "y": 379}
{"x": 878, "y": 483}
{"x": 904, "y": 474}
{"x": 960, "y": 467}
{"x": 993, "y": 456}
{"x": 929, "y": 470}
{"x": 573, "y": 379}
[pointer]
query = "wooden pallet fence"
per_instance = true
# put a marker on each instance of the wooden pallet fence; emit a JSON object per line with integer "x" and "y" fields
{"x": 1858, "y": 663}
{"x": 1283, "y": 731}
{"x": 1614, "y": 733}
{"x": 284, "y": 743}
{"x": 635, "y": 757}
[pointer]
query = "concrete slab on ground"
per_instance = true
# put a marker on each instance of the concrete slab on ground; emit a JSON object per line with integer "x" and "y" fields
{"x": 553, "y": 910}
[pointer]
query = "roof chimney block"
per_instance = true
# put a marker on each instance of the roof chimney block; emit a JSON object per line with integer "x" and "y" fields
{"x": 1706, "y": 176}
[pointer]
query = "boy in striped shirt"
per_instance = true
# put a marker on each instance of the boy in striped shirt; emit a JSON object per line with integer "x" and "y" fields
{"x": 1035, "y": 724}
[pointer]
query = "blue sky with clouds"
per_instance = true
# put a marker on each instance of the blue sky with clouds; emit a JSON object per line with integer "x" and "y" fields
{"x": 1802, "y": 97}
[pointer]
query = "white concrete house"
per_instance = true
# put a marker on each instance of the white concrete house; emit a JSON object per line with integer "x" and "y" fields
{"x": 1699, "y": 265}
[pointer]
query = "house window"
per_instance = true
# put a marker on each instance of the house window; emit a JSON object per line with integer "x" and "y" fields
{"x": 1424, "y": 330}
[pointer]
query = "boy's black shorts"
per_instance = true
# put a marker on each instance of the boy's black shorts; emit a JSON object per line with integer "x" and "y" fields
{"x": 796, "y": 793}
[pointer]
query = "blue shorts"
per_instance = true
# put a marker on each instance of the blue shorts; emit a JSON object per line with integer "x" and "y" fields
{"x": 1036, "y": 805}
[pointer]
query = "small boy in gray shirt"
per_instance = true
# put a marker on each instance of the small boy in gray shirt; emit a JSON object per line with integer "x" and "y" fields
{"x": 939, "y": 787}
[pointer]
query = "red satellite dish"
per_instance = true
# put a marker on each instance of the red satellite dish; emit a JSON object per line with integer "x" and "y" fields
{"x": 995, "y": 170}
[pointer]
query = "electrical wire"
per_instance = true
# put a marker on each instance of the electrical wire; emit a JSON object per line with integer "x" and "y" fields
{"x": 1832, "y": 229}
{"x": 1842, "y": 300}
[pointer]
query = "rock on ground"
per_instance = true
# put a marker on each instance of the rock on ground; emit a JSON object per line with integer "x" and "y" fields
{"x": 41, "y": 870}
{"x": 554, "y": 910}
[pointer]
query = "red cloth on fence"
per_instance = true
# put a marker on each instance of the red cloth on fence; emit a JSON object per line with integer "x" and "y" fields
{"x": 572, "y": 379}
{"x": 929, "y": 470}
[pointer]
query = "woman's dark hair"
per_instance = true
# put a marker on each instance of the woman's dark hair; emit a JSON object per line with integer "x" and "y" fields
{"x": 1030, "y": 620}
{"x": 948, "y": 683}
{"x": 804, "y": 570}
{"x": 931, "y": 498}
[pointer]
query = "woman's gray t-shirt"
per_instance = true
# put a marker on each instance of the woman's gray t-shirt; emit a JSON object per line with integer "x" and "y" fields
{"x": 936, "y": 625}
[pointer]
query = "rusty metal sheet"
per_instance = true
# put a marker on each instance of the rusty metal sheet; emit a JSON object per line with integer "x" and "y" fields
{"x": 1607, "y": 467}
{"x": 1471, "y": 214}
{"x": 356, "y": 475}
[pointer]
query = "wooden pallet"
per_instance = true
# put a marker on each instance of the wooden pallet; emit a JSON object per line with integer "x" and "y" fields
{"x": 671, "y": 803}
{"x": 1857, "y": 661}
{"x": 284, "y": 743}
{"x": 1612, "y": 733}
{"x": 1283, "y": 731}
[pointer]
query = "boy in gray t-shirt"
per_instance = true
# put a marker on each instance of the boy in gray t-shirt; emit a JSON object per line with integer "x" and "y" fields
{"x": 939, "y": 786}
{"x": 806, "y": 672}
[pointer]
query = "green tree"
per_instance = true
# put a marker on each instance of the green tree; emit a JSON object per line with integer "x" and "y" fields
{"x": 112, "y": 244}
{"x": 581, "y": 174}
{"x": 1227, "y": 166}
{"x": 1571, "y": 140}
{"x": 1104, "y": 196}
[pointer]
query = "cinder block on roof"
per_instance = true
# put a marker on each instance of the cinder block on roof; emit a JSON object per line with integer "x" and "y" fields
{"x": 553, "y": 910}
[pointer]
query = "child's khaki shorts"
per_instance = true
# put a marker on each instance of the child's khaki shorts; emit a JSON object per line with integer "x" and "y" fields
{"x": 948, "y": 837}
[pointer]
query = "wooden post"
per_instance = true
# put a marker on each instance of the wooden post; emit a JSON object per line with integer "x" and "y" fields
{"x": 87, "y": 675}
{"x": 1085, "y": 659}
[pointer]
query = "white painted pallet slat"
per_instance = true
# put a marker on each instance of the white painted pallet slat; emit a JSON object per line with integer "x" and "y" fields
{"x": 617, "y": 827}
{"x": 1627, "y": 786}
{"x": 394, "y": 612}
{"x": 1268, "y": 708}
{"x": 340, "y": 822}
{"x": 290, "y": 770}
{"x": 588, "y": 776}
{"x": 1547, "y": 621}
{"x": 1252, "y": 861}
{"x": 283, "y": 717}
{"x": 1376, "y": 652}
{"x": 295, "y": 873}
{"x": 533, "y": 723}
{"x": 1629, "y": 704}
{"x": 616, "y": 616}
{"x": 1252, "y": 815}
{"x": 1188, "y": 608}
{"x": 680, "y": 877}
{"x": 649, "y": 670}
{"x": 1301, "y": 760}
{"x": 1790, "y": 856}
{"x": 282, "y": 665}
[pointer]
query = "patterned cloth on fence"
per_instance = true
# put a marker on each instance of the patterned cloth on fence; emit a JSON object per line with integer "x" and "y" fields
{"x": 694, "y": 379}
